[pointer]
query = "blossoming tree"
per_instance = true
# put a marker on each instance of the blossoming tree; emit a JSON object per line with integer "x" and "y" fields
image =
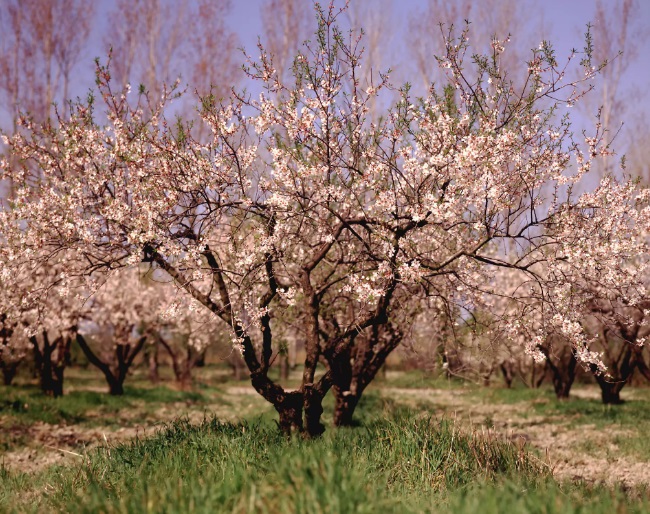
{"x": 299, "y": 199}
{"x": 121, "y": 315}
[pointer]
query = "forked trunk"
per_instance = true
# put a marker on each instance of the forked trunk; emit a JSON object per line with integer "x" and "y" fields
{"x": 563, "y": 377}
{"x": 354, "y": 369}
{"x": 50, "y": 362}
{"x": 8, "y": 373}
{"x": 117, "y": 371}
{"x": 507, "y": 370}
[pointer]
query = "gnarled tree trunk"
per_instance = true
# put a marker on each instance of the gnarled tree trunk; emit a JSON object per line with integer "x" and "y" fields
{"x": 51, "y": 361}
{"x": 183, "y": 362}
{"x": 354, "y": 368}
{"x": 115, "y": 372}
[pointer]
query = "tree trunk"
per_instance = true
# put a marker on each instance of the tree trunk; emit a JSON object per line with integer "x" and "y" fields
{"x": 611, "y": 393}
{"x": 116, "y": 373}
{"x": 182, "y": 364}
{"x": 313, "y": 405}
{"x": 284, "y": 367}
{"x": 354, "y": 369}
{"x": 563, "y": 378}
{"x": 50, "y": 362}
{"x": 184, "y": 377}
{"x": 290, "y": 411}
{"x": 8, "y": 373}
{"x": 507, "y": 372}
{"x": 152, "y": 359}
{"x": 115, "y": 386}
{"x": 344, "y": 407}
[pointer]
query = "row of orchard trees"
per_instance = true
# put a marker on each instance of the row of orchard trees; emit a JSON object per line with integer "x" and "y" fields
{"x": 615, "y": 329}
{"x": 112, "y": 321}
{"x": 302, "y": 212}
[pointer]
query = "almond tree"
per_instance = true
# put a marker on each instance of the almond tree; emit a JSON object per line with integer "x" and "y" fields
{"x": 619, "y": 332}
{"x": 185, "y": 331}
{"x": 44, "y": 309}
{"x": 297, "y": 198}
{"x": 121, "y": 316}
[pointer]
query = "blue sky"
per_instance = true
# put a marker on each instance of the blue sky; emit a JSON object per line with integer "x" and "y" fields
{"x": 562, "y": 21}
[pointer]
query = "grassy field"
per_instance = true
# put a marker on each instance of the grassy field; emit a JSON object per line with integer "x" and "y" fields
{"x": 422, "y": 445}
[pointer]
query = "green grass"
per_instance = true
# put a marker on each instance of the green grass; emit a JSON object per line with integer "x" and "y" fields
{"x": 23, "y": 406}
{"x": 417, "y": 379}
{"x": 29, "y": 405}
{"x": 403, "y": 463}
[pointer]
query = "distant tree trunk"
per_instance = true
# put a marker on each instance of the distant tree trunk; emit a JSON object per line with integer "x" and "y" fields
{"x": 562, "y": 381}
{"x": 563, "y": 365}
{"x": 611, "y": 391}
{"x": 116, "y": 372}
{"x": 284, "y": 367}
{"x": 183, "y": 362}
{"x": 51, "y": 361}
{"x": 355, "y": 368}
{"x": 507, "y": 370}
{"x": 610, "y": 387}
{"x": 8, "y": 365}
{"x": 9, "y": 371}
{"x": 641, "y": 364}
{"x": 152, "y": 360}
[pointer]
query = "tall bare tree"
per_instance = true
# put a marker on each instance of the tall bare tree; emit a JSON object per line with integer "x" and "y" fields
{"x": 41, "y": 43}
{"x": 488, "y": 19}
{"x": 616, "y": 39}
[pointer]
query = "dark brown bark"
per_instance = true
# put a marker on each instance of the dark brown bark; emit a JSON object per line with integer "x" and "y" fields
{"x": 562, "y": 382}
{"x": 611, "y": 392}
{"x": 354, "y": 369}
{"x": 183, "y": 362}
{"x": 115, "y": 372}
{"x": 618, "y": 333}
{"x": 50, "y": 361}
{"x": 562, "y": 364}
{"x": 611, "y": 387}
{"x": 507, "y": 370}
{"x": 8, "y": 366}
{"x": 9, "y": 371}
{"x": 284, "y": 402}
{"x": 641, "y": 364}
{"x": 312, "y": 400}
{"x": 290, "y": 412}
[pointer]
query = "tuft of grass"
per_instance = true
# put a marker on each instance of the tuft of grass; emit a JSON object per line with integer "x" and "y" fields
{"x": 400, "y": 464}
{"x": 544, "y": 497}
{"x": 247, "y": 467}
